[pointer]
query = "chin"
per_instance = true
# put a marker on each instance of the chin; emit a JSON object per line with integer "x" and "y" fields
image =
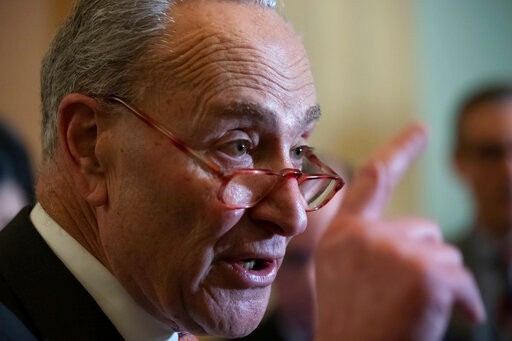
{"x": 235, "y": 317}
{"x": 234, "y": 328}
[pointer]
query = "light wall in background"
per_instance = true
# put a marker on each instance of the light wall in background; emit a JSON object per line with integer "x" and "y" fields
{"x": 460, "y": 44}
{"x": 25, "y": 30}
{"x": 362, "y": 59}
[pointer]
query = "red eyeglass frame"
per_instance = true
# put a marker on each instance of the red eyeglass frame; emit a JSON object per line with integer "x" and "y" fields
{"x": 226, "y": 176}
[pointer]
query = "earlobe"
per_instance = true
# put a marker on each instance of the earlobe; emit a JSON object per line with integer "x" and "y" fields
{"x": 79, "y": 129}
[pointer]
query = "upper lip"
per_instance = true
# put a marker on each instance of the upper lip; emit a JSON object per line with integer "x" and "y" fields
{"x": 251, "y": 252}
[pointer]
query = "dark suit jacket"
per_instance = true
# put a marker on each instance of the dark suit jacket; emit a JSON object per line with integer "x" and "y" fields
{"x": 268, "y": 330}
{"x": 482, "y": 257}
{"x": 41, "y": 292}
{"x": 11, "y": 328}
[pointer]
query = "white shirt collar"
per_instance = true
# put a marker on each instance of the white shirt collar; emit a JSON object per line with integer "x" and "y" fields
{"x": 131, "y": 320}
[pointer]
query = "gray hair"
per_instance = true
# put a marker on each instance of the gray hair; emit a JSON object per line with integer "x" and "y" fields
{"x": 99, "y": 50}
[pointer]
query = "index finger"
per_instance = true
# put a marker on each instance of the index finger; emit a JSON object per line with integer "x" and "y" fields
{"x": 374, "y": 182}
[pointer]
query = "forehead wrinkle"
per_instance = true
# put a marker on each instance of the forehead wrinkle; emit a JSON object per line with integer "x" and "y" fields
{"x": 216, "y": 84}
{"x": 203, "y": 50}
{"x": 189, "y": 50}
{"x": 246, "y": 64}
{"x": 248, "y": 74}
{"x": 204, "y": 102}
{"x": 243, "y": 110}
{"x": 207, "y": 44}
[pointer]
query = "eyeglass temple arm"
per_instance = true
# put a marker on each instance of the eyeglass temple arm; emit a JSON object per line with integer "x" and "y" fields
{"x": 178, "y": 143}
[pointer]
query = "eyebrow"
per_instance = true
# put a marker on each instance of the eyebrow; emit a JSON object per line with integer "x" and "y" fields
{"x": 312, "y": 114}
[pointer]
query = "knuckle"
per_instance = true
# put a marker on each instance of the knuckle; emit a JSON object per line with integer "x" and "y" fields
{"x": 374, "y": 171}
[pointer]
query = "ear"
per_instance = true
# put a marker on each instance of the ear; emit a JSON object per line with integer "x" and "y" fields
{"x": 79, "y": 130}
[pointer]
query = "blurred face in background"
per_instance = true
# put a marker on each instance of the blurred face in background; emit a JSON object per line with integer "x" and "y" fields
{"x": 484, "y": 161}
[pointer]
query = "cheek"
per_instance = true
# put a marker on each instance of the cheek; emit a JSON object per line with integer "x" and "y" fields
{"x": 177, "y": 217}
{"x": 160, "y": 231}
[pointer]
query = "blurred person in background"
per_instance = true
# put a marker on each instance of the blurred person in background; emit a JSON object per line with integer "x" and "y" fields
{"x": 483, "y": 161}
{"x": 292, "y": 315}
{"x": 16, "y": 178}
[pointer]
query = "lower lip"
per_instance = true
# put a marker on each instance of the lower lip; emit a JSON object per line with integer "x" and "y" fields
{"x": 252, "y": 278}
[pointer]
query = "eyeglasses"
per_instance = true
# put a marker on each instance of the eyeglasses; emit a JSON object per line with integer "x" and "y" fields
{"x": 245, "y": 187}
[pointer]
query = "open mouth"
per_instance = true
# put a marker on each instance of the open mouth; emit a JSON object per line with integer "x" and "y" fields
{"x": 254, "y": 264}
{"x": 249, "y": 269}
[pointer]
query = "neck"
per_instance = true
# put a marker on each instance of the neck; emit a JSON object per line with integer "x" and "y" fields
{"x": 56, "y": 194}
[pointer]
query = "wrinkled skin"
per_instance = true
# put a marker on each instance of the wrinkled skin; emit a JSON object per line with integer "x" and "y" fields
{"x": 232, "y": 73}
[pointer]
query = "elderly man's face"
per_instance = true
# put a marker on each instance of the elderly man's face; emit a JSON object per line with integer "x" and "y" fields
{"x": 486, "y": 163}
{"x": 236, "y": 86}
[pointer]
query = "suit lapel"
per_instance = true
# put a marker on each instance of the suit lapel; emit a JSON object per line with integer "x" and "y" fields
{"x": 55, "y": 302}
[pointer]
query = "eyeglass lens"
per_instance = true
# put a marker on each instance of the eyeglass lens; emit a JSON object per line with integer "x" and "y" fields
{"x": 247, "y": 187}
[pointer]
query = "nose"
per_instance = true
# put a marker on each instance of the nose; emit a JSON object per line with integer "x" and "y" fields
{"x": 283, "y": 209}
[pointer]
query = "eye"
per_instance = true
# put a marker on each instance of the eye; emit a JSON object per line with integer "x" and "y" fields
{"x": 236, "y": 148}
{"x": 298, "y": 153}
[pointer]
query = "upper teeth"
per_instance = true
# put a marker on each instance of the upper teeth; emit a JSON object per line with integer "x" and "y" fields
{"x": 249, "y": 265}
